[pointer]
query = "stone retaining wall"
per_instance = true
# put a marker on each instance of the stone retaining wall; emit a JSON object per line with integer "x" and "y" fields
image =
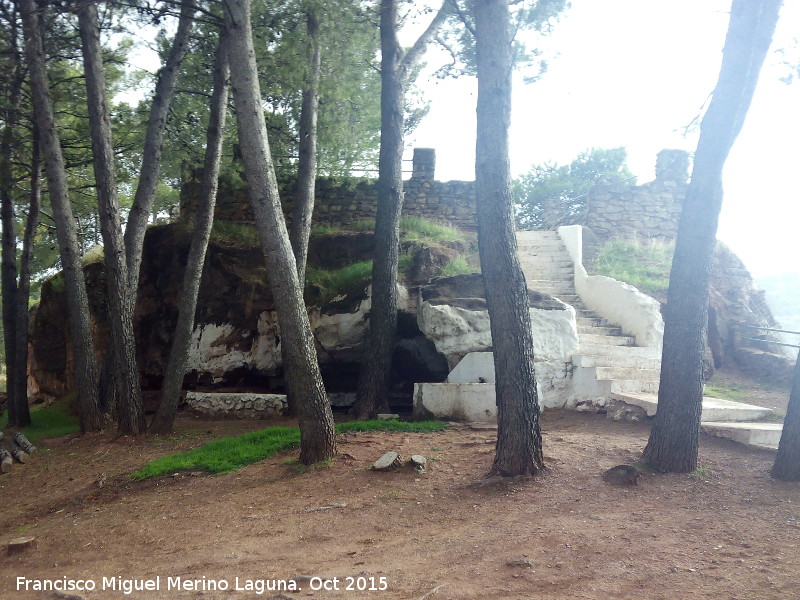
{"x": 341, "y": 201}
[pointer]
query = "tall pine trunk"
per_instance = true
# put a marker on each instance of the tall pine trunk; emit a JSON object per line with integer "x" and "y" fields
{"x": 396, "y": 67}
{"x": 8, "y": 264}
{"x": 787, "y": 462}
{"x": 519, "y": 440}
{"x": 148, "y": 181}
{"x": 204, "y": 219}
{"x": 373, "y": 381}
{"x": 317, "y": 436}
{"x": 24, "y": 291}
{"x": 130, "y": 413}
{"x": 674, "y": 438}
{"x": 307, "y": 161}
{"x": 153, "y": 145}
{"x": 89, "y": 416}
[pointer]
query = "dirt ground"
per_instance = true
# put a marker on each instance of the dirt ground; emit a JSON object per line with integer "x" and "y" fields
{"x": 728, "y": 532}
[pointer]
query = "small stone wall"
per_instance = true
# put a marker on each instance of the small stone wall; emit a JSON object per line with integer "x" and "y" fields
{"x": 343, "y": 201}
{"x": 237, "y": 406}
{"x": 652, "y": 210}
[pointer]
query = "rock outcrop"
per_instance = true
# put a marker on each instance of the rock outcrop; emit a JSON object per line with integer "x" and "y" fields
{"x": 236, "y": 342}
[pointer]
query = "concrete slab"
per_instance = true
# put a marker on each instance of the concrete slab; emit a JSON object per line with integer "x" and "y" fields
{"x": 714, "y": 409}
{"x": 760, "y": 435}
{"x": 468, "y": 402}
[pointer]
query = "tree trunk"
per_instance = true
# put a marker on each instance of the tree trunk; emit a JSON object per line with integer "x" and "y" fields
{"x": 153, "y": 145}
{"x": 317, "y": 439}
{"x": 674, "y": 438}
{"x": 307, "y": 162}
{"x": 130, "y": 413}
{"x": 373, "y": 380}
{"x": 519, "y": 440}
{"x": 204, "y": 219}
{"x": 148, "y": 181}
{"x": 8, "y": 265}
{"x": 89, "y": 416}
{"x": 24, "y": 289}
{"x": 787, "y": 462}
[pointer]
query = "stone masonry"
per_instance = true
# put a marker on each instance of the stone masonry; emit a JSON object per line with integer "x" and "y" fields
{"x": 341, "y": 201}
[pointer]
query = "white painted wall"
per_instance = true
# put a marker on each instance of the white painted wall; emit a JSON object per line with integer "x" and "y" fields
{"x": 637, "y": 314}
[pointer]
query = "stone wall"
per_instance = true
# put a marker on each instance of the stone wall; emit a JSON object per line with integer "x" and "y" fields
{"x": 343, "y": 201}
{"x": 652, "y": 210}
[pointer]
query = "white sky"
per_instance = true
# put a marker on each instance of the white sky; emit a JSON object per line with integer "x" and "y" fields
{"x": 634, "y": 73}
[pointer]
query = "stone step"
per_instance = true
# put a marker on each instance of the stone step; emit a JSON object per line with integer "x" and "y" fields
{"x": 628, "y": 373}
{"x": 590, "y": 321}
{"x": 599, "y": 330}
{"x": 714, "y": 409}
{"x": 630, "y": 361}
{"x": 554, "y": 284}
{"x": 609, "y": 340}
{"x": 609, "y": 352}
{"x": 548, "y": 270}
{"x": 760, "y": 435}
{"x": 632, "y": 386}
{"x": 542, "y": 246}
{"x": 538, "y": 235}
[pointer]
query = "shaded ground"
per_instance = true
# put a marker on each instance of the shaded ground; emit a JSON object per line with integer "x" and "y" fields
{"x": 730, "y": 532}
{"x": 746, "y": 389}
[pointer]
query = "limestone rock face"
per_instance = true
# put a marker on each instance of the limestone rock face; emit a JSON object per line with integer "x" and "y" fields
{"x": 736, "y": 305}
{"x": 453, "y": 315}
{"x": 236, "y": 341}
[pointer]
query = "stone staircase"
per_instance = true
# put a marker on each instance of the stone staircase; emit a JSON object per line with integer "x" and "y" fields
{"x": 609, "y": 366}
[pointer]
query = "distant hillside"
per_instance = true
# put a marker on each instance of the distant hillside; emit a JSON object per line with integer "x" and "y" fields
{"x": 783, "y": 296}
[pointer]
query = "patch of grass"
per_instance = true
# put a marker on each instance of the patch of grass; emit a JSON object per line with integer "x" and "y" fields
{"x": 53, "y": 421}
{"x": 393, "y": 425}
{"x": 365, "y": 225}
{"x": 645, "y": 265}
{"x": 726, "y": 393}
{"x": 326, "y": 229}
{"x": 231, "y": 231}
{"x": 458, "y": 266}
{"x": 230, "y": 454}
{"x": 226, "y": 454}
{"x": 701, "y": 473}
{"x": 336, "y": 281}
{"x": 417, "y": 228}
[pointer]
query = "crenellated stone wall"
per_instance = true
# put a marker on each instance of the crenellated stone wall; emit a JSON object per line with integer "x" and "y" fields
{"x": 652, "y": 210}
{"x": 343, "y": 201}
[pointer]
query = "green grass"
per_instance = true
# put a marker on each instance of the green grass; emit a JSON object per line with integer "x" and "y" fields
{"x": 231, "y": 231}
{"x": 458, "y": 266}
{"x": 224, "y": 455}
{"x": 392, "y": 425}
{"x": 326, "y": 229}
{"x": 337, "y": 281}
{"x": 645, "y": 265}
{"x": 701, "y": 473}
{"x": 726, "y": 393}
{"x": 425, "y": 230}
{"x": 418, "y": 229}
{"x": 229, "y": 454}
{"x": 53, "y": 421}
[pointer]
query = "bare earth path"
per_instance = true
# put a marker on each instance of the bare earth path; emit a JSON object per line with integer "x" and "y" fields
{"x": 730, "y": 533}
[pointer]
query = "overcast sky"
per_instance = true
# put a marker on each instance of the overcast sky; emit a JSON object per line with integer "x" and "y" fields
{"x": 634, "y": 73}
